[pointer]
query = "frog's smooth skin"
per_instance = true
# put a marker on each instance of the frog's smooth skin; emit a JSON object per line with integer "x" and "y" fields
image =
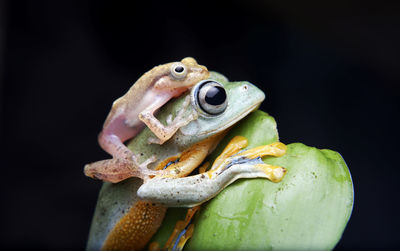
{"x": 131, "y": 112}
{"x": 118, "y": 206}
{"x": 197, "y": 189}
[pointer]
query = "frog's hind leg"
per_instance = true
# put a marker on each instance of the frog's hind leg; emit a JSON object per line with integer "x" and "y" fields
{"x": 135, "y": 229}
{"x": 124, "y": 163}
{"x": 182, "y": 232}
{"x": 116, "y": 170}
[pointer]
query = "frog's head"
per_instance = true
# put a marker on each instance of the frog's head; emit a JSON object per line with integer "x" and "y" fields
{"x": 186, "y": 73}
{"x": 220, "y": 104}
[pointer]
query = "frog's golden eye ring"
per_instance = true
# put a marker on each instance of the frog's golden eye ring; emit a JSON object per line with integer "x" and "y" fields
{"x": 178, "y": 70}
{"x": 209, "y": 97}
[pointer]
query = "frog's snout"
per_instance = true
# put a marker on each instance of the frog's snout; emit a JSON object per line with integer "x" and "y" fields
{"x": 194, "y": 66}
{"x": 199, "y": 73}
{"x": 202, "y": 70}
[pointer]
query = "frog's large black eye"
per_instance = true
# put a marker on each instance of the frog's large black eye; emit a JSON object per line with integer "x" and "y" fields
{"x": 178, "y": 70}
{"x": 211, "y": 97}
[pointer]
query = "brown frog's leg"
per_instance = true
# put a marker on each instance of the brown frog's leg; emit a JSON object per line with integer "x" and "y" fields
{"x": 116, "y": 170}
{"x": 163, "y": 132}
{"x": 124, "y": 163}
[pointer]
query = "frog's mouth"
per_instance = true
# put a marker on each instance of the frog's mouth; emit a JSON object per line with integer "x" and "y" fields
{"x": 240, "y": 117}
{"x": 232, "y": 122}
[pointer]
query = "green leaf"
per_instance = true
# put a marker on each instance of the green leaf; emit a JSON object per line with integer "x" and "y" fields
{"x": 308, "y": 209}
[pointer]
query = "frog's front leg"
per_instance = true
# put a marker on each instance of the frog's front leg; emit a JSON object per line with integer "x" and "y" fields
{"x": 233, "y": 165}
{"x": 190, "y": 159}
{"x": 163, "y": 132}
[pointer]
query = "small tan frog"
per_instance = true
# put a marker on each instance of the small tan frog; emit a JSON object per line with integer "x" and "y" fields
{"x": 131, "y": 112}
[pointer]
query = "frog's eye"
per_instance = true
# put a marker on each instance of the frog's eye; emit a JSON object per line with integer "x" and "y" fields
{"x": 178, "y": 70}
{"x": 210, "y": 97}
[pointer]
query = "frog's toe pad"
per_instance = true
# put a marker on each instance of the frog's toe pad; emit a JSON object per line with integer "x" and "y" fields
{"x": 273, "y": 173}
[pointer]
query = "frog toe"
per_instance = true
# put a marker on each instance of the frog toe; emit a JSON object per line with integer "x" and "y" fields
{"x": 273, "y": 173}
{"x": 182, "y": 232}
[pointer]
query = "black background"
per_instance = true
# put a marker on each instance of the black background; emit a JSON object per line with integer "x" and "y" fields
{"x": 330, "y": 71}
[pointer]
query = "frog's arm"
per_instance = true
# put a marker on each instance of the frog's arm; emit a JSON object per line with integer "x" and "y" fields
{"x": 189, "y": 159}
{"x": 230, "y": 166}
{"x": 163, "y": 132}
{"x": 143, "y": 219}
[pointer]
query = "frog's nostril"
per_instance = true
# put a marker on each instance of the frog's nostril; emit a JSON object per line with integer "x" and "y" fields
{"x": 200, "y": 69}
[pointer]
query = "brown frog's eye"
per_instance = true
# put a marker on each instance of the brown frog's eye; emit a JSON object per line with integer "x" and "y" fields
{"x": 178, "y": 71}
{"x": 210, "y": 97}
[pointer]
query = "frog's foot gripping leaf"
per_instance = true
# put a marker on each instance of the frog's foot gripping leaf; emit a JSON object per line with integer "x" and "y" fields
{"x": 163, "y": 132}
{"x": 231, "y": 165}
{"x": 181, "y": 233}
{"x": 233, "y": 156}
{"x": 116, "y": 170}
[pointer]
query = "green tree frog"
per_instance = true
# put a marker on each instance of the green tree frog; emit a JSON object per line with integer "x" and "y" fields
{"x": 124, "y": 220}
